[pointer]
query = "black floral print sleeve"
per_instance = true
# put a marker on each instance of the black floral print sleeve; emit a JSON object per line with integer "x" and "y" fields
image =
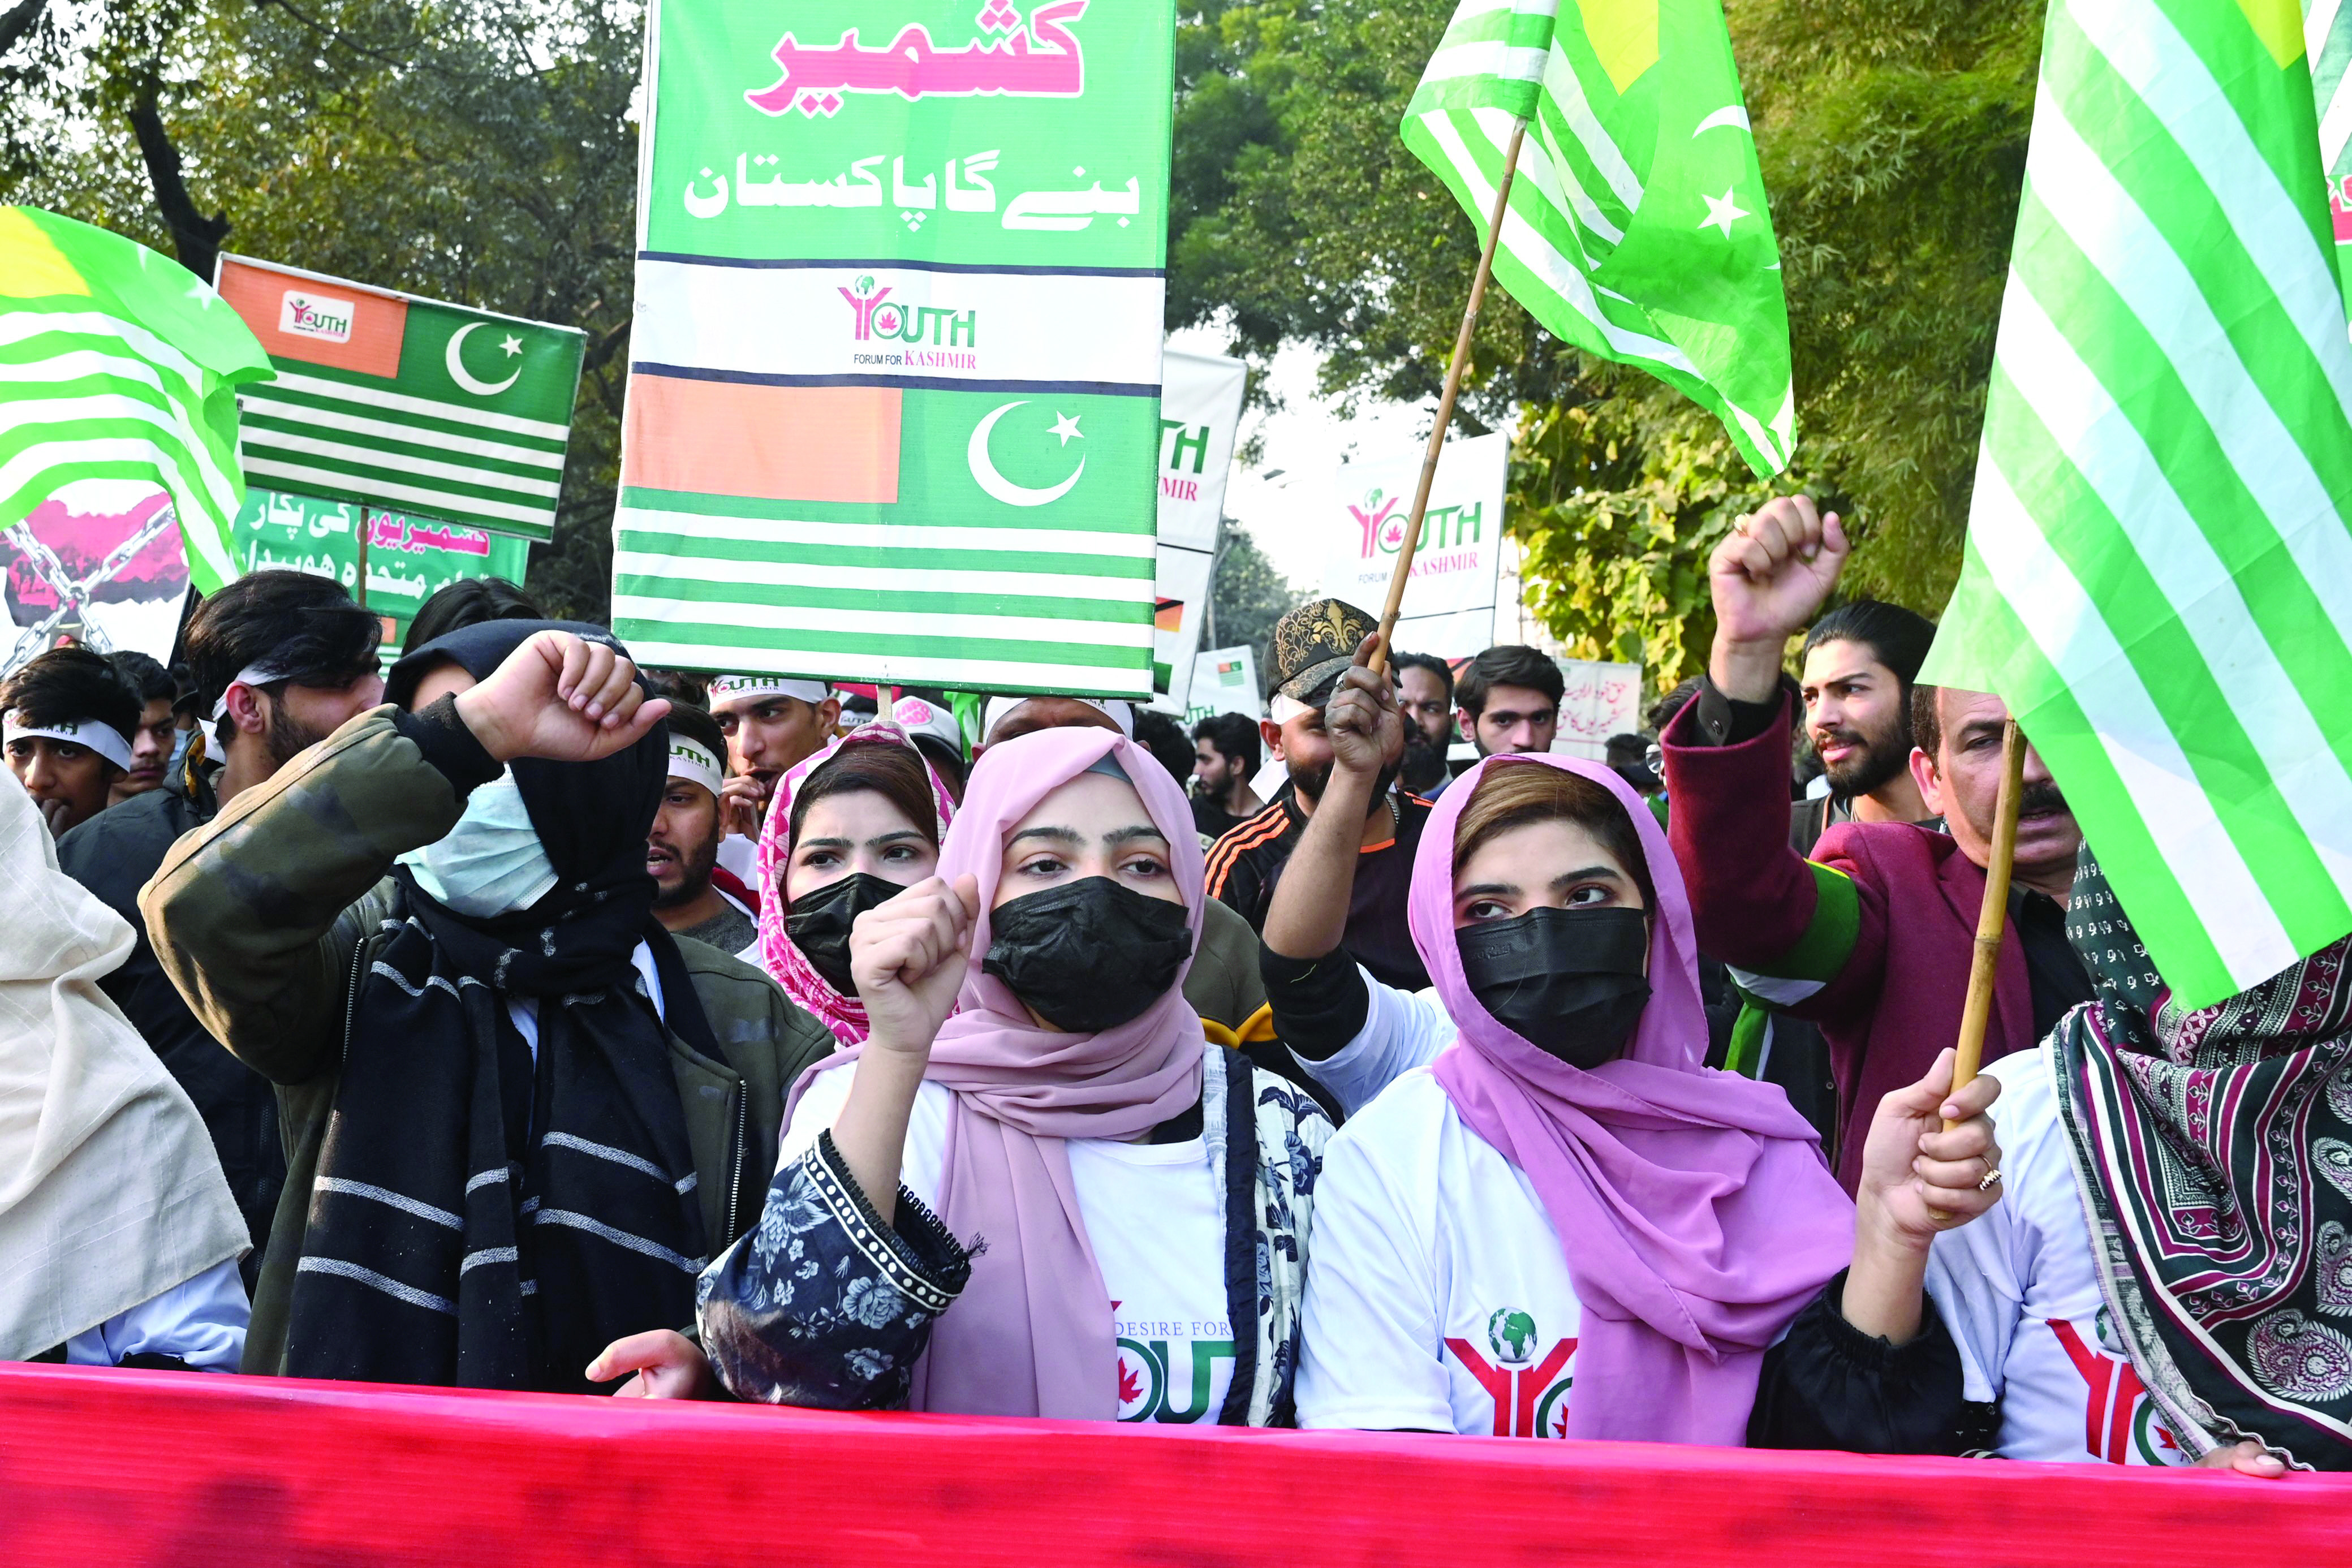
{"x": 821, "y": 1304}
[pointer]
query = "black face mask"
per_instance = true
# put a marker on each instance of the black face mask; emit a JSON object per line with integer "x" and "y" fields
{"x": 1088, "y": 955}
{"x": 819, "y": 924}
{"x": 1567, "y": 981}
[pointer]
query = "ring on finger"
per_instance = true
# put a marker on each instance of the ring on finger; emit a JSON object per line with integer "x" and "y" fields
{"x": 1991, "y": 1178}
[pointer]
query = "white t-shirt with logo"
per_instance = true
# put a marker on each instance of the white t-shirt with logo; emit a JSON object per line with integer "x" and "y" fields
{"x": 1440, "y": 1298}
{"x": 2019, "y": 1289}
{"x": 1155, "y": 1222}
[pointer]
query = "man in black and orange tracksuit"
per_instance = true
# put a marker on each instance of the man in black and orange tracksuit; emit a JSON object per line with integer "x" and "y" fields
{"x": 1311, "y": 647}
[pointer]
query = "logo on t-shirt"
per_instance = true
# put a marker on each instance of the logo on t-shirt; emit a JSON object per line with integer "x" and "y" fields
{"x": 1528, "y": 1384}
{"x": 2120, "y": 1423}
{"x": 1167, "y": 1377}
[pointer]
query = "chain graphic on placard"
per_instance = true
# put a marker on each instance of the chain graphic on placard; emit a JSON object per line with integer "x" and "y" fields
{"x": 73, "y": 596}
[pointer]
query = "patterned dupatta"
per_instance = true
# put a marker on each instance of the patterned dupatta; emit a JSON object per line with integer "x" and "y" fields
{"x": 2213, "y": 1152}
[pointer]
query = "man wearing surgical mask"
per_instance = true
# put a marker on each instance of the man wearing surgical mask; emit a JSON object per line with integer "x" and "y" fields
{"x": 436, "y": 934}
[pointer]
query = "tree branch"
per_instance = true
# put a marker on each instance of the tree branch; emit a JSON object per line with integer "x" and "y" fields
{"x": 195, "y": 238}
{"x": 17, "y": 21}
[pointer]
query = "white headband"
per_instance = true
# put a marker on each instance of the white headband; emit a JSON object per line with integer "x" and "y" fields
{"x": 86, "y": 734}
{"x": 690, "y": 759}
{"x": 261, "y": 672}
{"x": 1120, "y": 713}
{"x": 1283, "y": 709}
{"x": 727, "y": 687}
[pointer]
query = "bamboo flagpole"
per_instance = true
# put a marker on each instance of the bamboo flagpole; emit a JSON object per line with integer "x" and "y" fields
{"x": 1992, "y": 920}
{"x": 1454, "y": 369}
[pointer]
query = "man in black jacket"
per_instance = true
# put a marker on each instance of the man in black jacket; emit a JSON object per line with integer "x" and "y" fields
{"x": 280, "y": 660}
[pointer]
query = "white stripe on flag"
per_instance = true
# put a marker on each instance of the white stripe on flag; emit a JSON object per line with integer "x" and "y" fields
{"x": 401, "y": 403}
{"x": 1559, "y": 186}
{"x": 2082, "y": 417}
{"x": 2165, "y": 791}
{"x": 288, "y": 441}
{"x": 885, "y": 535}
{"x": 2335, "y": 125}
{"x": 258, "y": 401}
{"x": 1487, "y": 57}
{"x": 199, "y": 514}
{"x": 1560, "y": 80}
{"x": 2099, "y": 216}
{"x": 18, "y": 326}
{"x": 885, "y": 625}
{"x": 2318, "y": 19}
{"x": 1557, "y": 272}
{"x": 891, "y": 669}
{"x": 862, "y": 579}
{"x": 435, "y": 503}
{"x": 172, "y": 418}
{"x": 1469, "y": 8}
{"x": 2139, "y": 41}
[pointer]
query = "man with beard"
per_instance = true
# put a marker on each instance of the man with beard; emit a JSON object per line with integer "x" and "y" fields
{"x": 1872, "y": 938}
{"x": 1311, "y": 647}
{"x": 280, "y": 659}
{"x": 1859, "y": 661}
{"x": 1425, "y": 697}
{"x": 1508, "y": 700}
{"x": 1224, "y": 760}
{"x": 682, "y": 850}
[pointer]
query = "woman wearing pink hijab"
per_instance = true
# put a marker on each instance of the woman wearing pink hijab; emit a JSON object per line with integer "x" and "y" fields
{"x": 1550, "y": 1220}
{"x": 1033, "y": 1189}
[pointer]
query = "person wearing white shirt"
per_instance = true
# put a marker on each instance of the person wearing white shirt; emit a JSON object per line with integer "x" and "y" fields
{"x": 1550, "y": 1220}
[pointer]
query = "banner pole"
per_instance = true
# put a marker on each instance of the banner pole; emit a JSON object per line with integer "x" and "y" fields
{"x": 1992, "y": 920}
{"x": 1454, "y": 369}
{"x": 366, "y": 528}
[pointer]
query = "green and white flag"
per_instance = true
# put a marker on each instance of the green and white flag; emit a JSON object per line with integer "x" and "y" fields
{"x": 1637, "y": 228}
{"x": 894, "y": 378}
{"x": 118, "y": 363}
{"x": 2327, "y": 40}
{"x": 2158, "y": 570}
{"x": 410, "y": 405}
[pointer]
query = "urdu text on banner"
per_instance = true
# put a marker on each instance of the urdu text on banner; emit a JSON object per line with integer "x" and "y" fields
{"x": 894, "y": 389}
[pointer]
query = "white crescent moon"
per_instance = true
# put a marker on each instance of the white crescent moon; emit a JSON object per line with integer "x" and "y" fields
{"x": 458, "y": 366}
{"x": 1734, "y": 116}
{"x": 984, "y": 474}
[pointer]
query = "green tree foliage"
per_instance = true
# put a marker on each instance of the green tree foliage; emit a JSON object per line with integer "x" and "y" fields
{"x": 1247, "y": 596}
{"x": 1893, "y": 138}
{"x": 480, "y": 151}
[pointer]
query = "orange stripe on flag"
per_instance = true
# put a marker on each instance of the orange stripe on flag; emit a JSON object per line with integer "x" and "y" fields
{"x": 768, "y": 442}
{"x": 1168, "y": 616}
{"x": 323, "y": 323}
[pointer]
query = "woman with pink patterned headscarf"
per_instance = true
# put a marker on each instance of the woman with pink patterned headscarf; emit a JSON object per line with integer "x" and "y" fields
{"x": 851, "y": 827}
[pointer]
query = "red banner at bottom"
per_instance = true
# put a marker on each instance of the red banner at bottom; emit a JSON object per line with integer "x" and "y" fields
{"x": 104, "y": 1466}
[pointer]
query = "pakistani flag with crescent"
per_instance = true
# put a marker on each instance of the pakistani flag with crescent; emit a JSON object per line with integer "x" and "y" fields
{"x": 1637, "y": 227}
{"x": 412, "y": 405}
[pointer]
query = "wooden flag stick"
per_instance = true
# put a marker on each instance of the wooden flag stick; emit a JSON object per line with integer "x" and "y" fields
{"x": 1993, "y": 918}
{"x": 1453, "y": 370}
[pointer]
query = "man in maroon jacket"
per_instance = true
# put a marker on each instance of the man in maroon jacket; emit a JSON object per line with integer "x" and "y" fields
{"x": 1872, "y": 938}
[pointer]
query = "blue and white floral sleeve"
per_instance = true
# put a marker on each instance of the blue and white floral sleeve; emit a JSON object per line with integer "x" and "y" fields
{"x": 821, "y": 1304}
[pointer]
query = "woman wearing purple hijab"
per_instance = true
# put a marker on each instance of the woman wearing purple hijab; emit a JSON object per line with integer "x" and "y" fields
{"x": 1548, "y": 1218}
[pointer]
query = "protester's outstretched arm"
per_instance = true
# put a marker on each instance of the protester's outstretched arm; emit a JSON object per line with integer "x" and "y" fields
{"x": 251, "y": 915}
{"x": 1309, "y": 915}
{"x": 828, "y": 1302}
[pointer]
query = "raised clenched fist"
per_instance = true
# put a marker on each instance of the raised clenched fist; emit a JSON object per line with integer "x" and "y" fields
{"x": 1768, "y": 578}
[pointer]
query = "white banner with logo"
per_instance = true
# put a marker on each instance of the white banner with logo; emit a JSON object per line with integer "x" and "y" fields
{"x": 1225, "y": 680}
{"x": 1199, "y": 415}
{"x": 1449, "y": 603}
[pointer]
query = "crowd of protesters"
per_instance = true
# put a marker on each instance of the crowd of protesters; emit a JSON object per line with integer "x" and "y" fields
{"x": 503, "y": 1015}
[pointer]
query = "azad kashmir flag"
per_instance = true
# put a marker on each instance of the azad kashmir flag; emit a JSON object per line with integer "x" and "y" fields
{"x": 893, "y": 408}
{"x": 118, "y": 363}
{"x": 410, "y": 404}
{"x": 1637, "y": 228}
{"x": 2158, "y": 569}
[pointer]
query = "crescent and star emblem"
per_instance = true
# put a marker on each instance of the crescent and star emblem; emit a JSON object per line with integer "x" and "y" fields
{"x": 999, "y": 487}
{"x": 471, "y": 383}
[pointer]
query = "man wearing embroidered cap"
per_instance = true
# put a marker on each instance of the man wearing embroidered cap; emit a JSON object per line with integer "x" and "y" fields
{"x": 280, "y": 660}
{"x": 67, "y": 720}
{"x": 1310, "y": 649}
{"x": 772, "y": 722}
{"x": 682, "y": 850}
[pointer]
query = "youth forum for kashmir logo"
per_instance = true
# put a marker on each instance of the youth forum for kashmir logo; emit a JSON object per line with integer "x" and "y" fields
{"x": 875, "y": 317}
{"x": 1528, "y": 1385}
